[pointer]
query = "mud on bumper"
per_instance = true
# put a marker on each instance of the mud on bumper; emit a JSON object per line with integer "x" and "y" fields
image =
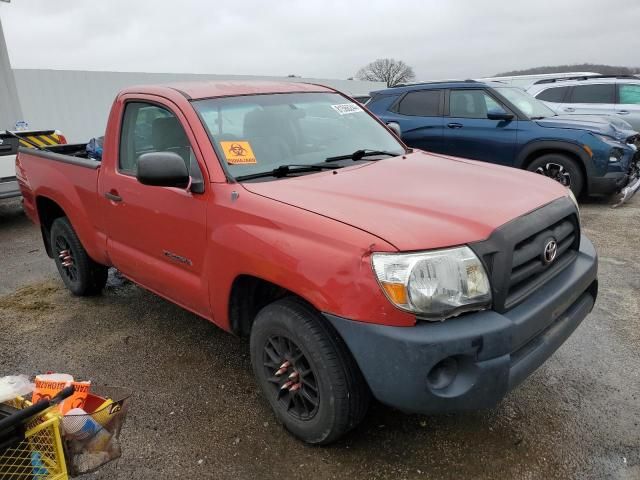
{"x": 474, "y": 360}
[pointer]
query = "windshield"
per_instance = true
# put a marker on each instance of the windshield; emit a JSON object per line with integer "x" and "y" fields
{"x": 259, "y": 133}
{"x": 531, "y": 107}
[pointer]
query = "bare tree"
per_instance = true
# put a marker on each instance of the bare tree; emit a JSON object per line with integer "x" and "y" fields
{"x": 387, "y": 70}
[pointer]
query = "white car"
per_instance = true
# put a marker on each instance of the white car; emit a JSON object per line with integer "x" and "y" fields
{"x": 618, "y": 96}
{"x": 9, "y": 143}
{"x": 8, "y": 184}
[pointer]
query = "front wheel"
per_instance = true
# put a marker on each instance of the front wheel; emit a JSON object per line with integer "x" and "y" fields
{"x": 306, "y": 372}
{"x": 80, "y": 274}
{"x": 560, "y": 168}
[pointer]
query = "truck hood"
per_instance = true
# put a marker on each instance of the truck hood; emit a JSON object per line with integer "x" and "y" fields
{"x": 420, "y": 201}
{"x": 592, "y": 123}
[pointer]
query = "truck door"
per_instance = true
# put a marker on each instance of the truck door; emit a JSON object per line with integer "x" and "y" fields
{"x": 469, "y": 133}
{"x": 156, "y": 235}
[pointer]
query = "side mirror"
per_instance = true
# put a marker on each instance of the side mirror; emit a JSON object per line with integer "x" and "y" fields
{"x": 162, "y": 169}
{"x": 499, "y": 115}
{"x": 395, "y": 128}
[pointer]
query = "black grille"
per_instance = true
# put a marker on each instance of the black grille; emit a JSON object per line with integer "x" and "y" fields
{"x": 513, "y": 254}
{"x": 527, "y": 265}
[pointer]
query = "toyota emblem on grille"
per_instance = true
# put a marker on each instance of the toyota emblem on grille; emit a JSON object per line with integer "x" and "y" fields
{"x": 550, "y": 251}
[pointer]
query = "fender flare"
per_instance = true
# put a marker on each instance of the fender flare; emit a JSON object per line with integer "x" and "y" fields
{"x": 556, "y": 146}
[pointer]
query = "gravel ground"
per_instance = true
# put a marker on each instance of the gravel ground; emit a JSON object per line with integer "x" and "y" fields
{"x": 197, "y": 413}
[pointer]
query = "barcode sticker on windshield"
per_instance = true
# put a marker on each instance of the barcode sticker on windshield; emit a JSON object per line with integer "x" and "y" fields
{"x": 346, "y": 108}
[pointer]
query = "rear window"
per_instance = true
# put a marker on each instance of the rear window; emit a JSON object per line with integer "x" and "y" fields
{"x": 422, "y": 103}
{"x": 555, "y": 95}
{"x": 602, "y": 93}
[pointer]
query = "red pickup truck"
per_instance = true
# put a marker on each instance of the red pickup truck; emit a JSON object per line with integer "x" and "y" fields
{"x": 357, "y": 266}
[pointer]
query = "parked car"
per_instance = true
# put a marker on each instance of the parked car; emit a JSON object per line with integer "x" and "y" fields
{"x": 525, "y": 81}
{"x": 9, "y": 142}
{"x": 289, "y": 214}
{"x": 505, "y": 125}
{"x": 601, "y": 95}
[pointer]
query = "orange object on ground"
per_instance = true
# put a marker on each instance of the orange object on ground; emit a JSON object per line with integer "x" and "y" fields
{"x": 46, "y": 389}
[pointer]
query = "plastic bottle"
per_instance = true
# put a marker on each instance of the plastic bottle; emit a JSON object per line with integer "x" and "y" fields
{"x": 79, "y": 425}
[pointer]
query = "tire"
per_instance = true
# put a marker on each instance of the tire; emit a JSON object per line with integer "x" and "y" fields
{"x": 291, "y": 330}
{"x": 561, "y": 168}
{"x": 82, "y": 276}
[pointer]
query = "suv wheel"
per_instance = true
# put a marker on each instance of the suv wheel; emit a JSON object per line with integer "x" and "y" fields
{"x": 560, "y": 168}
{"x": 306, "y": 372}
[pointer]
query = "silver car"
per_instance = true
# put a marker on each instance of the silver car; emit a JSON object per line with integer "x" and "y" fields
{"x": 603, "y": 95}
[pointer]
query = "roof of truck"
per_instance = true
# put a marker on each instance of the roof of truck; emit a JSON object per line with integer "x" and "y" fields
{"x": 212, "y": 89}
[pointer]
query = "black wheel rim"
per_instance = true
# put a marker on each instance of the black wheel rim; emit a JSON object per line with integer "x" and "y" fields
{"x": 555, "y": 171}
{"x": 291, "y": 376}
{"x": 65, "y": 259}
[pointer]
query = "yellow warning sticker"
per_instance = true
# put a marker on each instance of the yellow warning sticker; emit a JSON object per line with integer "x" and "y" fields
{"x": 238, "y": 153}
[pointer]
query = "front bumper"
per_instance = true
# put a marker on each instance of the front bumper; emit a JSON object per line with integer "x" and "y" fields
{"x": 624, "y": 182}
{"x": 633, "y": 182}
{"x": 9, "y": 189}
{"x": 472, "y": 361}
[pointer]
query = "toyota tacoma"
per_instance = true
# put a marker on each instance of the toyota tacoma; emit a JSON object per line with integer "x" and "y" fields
{"x": 287, "y": 213}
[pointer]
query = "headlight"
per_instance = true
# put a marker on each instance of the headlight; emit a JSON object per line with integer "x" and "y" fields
{"x": 606, "y": 139}
{"x": 573, "y": 199}
{"x": 436, "y": 284}
{"x": 575, "y": 202}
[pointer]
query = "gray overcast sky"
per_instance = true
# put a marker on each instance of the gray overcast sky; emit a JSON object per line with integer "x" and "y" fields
{"x": 325, "y": 39}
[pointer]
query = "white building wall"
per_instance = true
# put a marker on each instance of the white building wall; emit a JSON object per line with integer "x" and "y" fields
{"x": 78, "y": 102}
{"x": 9, "y": 105}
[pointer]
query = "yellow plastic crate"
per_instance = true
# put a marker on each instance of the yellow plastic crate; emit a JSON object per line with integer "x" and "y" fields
{"x": 40, "y": 455}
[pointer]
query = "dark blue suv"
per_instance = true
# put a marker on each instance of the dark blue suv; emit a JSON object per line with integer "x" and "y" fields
{"x": 497, "y": 123}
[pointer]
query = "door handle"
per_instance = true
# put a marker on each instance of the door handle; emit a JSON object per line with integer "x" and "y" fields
{"x": 454, "y": 125}
{"x": 113, "y": 196}
{"x": 623, "y": 112}
{"x": 569, "y": 109}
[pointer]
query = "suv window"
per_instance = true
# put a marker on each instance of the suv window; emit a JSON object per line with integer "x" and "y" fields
{"x": 555, "y": 95}
{"x": 150, "y": 128}
{"x": 423, "y": 103}
{"x": 472, "y": 104}
{"x": 629, "y": 93}
{"x": 599, "y": 93}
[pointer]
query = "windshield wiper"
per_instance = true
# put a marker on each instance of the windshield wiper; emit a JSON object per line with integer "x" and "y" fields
{"x": 360, "y": 154}
{"x": 284, "y": 170}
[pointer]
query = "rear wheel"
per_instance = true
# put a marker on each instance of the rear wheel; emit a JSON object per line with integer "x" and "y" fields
{"x": 306, "y": 372}
{"x": 560, "y": 168}
{"x": 78, "y": 271}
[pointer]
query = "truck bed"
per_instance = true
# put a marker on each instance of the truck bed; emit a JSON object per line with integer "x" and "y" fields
{"x": 75, "y": 153}
{"x": 64, "y": 175}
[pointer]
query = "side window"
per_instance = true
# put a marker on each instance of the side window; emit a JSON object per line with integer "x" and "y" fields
{"x": 150, "y": 128}
{"x": 555, "y": 95}
{"x": 629, "y": 94}
{"x": 602, "y": 93}
{"x": 422, "y": 103}
{"x": 472, "y": 104}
